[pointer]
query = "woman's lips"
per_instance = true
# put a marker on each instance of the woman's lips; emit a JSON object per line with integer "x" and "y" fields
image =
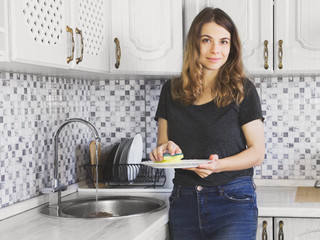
{"x": 214, "y": 59}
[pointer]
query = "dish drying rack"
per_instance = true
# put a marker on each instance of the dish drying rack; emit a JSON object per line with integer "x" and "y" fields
{"x": 126, "y": 175}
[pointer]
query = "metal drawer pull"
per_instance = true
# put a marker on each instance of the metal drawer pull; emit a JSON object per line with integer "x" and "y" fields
{"x": 280, "y": 54}
{"x": 266, "y": 54}
{"x": 281, "y": 234}
{"x": 264, "y": 231}
{"x": 79, "y": 59}
{"x": 118, "y": 52}
{"x": 70, "y": 30}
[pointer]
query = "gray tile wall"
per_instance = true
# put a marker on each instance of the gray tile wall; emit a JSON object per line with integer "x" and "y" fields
{"x": 32, "y": 107}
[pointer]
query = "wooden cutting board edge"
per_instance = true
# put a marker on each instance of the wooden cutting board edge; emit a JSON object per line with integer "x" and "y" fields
{"x": 307, "y": 194}
{"x": 92, "y": 151}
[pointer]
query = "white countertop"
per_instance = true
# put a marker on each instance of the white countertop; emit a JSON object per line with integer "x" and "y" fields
{"x": 280, "y": 202}
{"x": 272, "y": 202}
{"x": 31, "y": 225}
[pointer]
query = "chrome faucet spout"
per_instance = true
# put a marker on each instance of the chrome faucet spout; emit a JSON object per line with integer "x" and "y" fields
{"x": 56, "y": 187}
{"x": 56, "y": 138}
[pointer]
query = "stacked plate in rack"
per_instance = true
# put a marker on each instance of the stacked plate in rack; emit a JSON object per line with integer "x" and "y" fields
{"x": 128, "y": 152}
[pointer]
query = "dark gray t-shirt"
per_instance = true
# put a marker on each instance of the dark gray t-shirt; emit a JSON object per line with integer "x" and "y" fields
{"x": 202, "y": 130}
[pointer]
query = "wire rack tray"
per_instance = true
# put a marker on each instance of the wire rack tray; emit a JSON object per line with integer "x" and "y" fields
{"x": 126, "y": 175}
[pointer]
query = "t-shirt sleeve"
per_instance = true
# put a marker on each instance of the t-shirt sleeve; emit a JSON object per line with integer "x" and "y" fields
{"x": 250, "y": 107}
{"x": 162, "y": 104}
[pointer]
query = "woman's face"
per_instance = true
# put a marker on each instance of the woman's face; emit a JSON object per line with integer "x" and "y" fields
{"x": 215, "y": 43}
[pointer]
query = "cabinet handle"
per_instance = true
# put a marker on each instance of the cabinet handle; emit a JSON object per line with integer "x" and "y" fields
{"x": 79, "y": 59}
{"x": 266, "y": 54}
{"x": 264, "y": 231}
{"x": 281, "y": 234}
{"x": 118, "y": 52}
{"x": 280, "y": 54}
{"x": 70, "y": 30}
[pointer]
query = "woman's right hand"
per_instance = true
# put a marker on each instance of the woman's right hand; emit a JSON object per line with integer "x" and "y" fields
{"x": 168, "y": 147}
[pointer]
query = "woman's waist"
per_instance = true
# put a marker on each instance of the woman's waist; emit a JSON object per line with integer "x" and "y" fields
{"x": 235, "y": 183}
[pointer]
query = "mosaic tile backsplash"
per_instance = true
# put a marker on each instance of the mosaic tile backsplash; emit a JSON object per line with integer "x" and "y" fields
{"x": 32, "y": 107}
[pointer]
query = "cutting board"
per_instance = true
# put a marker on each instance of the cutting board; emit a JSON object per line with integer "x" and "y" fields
{"x": 93, "y": 161}
{"x": 92, "y": 151}
{"x": 307, "y": 194}
{"x": 103, "y": 154}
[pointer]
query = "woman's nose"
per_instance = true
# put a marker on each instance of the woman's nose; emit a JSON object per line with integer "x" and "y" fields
{"x": 214, "y": 48}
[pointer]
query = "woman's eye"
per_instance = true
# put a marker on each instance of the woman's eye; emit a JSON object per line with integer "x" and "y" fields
{"x": 224, "y": 42}
{"x": 205, "y": 40}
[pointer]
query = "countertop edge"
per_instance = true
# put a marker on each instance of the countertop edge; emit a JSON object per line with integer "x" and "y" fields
{"x": 288, "y": 212}
{"x": 35, "y": 202}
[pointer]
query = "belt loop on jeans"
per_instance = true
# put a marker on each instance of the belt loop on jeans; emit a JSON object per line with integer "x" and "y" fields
{"x": 220, "y": 190}
{"x": 178, "y": 191}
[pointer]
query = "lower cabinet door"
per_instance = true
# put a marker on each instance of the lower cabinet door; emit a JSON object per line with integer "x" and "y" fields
{"x": 296, "y": 228}
{"x": 265, "y": 228}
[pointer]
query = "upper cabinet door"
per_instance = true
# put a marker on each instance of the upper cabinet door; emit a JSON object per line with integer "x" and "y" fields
{"x": 297, "y": 25}
{"x": 254, "y": 21}
{"x": 90, "y": 23}
{"x": 4, "y": 29}
{"x": 38, "y": 32}
{"x": 146, "y": 36}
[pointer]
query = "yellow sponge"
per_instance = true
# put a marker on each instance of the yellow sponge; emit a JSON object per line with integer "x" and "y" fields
{"x": 167, "y": 158}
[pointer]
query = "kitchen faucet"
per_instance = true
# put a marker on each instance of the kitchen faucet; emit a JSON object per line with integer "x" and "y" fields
{"x": 55, "y": 190}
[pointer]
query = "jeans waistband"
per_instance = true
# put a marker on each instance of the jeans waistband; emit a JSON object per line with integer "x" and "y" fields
{"x": 244, "y": 180}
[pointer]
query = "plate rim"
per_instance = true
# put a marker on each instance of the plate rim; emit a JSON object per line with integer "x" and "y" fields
{"x": 137, "y": 138}
{"x": 185, "y": 163}
{"x": 116, "y": 160}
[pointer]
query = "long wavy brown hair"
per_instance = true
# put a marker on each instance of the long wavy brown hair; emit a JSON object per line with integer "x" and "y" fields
{"x": 228, "y": 86}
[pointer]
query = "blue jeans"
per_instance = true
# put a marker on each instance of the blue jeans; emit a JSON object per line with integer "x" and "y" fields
{"x": 226, "y": 212}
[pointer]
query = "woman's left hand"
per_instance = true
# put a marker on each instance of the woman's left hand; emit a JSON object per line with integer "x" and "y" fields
{"x": 205, "y": 169}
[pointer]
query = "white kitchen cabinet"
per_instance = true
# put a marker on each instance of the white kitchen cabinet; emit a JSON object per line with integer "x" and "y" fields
{"x": 146, "y": 36}
{"x": 278, "y": 36}
{"x": 69, "y": 34}
{"x": 91, "y": 17}
{"x": 3, "y": 31}
{"x": 297, "y": 228}
{"x": 297, "y": 25}
{"x": 37, "y": 32}
{"x": 286, "y": 228}
{"x": 265, "y": 228}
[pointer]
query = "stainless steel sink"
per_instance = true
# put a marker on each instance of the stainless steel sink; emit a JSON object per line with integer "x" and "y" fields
{"x": 114, "y": 207}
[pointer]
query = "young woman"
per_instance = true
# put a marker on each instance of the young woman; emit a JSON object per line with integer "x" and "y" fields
{"x": 212, "y": 111}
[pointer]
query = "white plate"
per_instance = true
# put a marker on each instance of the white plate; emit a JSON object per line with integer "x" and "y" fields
{"x": 123, "y": 169}
{"x": 119, "y": 151}
{"x": 116, "y": 173}
{"x": 135, "y": 156}
{"x": 183, "y": 164}
{"x": 125, "y": 151}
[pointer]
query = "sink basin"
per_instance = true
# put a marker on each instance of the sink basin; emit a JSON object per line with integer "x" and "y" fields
{"x": 114, "y": 207}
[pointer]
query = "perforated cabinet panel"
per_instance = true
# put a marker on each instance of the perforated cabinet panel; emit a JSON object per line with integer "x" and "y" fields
{"x": 92, "y": 22}
{"x": 44, "y": 20}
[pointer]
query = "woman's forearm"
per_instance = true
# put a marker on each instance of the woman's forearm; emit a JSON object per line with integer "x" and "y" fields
{"x": 252, "y": 156}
